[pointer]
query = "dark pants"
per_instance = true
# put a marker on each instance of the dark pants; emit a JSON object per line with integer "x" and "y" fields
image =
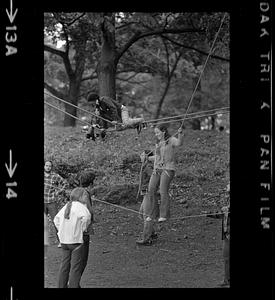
{"x": 226, "y": 257}
{"x": 85, "y": 249}
{"x": 51, "y": 209}
{"x": 71, "y": 267}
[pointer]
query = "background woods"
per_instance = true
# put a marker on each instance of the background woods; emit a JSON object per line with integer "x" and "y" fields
{"x": 148, "y": 61}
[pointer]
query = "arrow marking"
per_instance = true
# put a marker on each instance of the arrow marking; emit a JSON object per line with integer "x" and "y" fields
{"x": 11, "y": 169}
{"x": 10, "y": 13}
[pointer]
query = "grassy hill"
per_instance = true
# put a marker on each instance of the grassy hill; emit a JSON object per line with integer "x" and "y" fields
{"x": 203, "y": 160}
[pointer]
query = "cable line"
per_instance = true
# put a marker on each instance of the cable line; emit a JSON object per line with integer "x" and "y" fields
{"x": 178, "y": 116}
{"x": 79, "y": 108}
{"x": 66, "y": 113}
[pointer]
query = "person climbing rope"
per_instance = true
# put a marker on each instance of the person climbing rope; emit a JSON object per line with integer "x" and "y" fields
{"x": 111, "y": 112}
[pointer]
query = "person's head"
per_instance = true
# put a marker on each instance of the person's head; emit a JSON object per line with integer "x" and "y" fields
{"x": 81, "y": 195}
{"x": 48, "y": 165}
{"x": 86, "y": 179}
{"x": 92, "y": 97}
{"x": 161, "y": 132}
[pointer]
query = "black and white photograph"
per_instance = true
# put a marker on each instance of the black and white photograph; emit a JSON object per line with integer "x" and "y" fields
{"x": 152, "y": 126}
{"x": 138, "y": 105}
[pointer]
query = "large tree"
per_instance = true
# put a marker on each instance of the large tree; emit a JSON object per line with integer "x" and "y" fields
{"x": 107, "y": 45}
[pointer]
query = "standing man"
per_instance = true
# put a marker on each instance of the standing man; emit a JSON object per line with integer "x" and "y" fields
{"x": 54, "y": 184}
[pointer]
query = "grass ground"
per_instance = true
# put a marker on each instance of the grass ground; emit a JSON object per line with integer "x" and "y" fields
{"x": 188, "y": 252}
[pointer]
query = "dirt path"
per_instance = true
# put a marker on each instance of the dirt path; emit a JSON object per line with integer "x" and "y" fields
{"x": 187, "y": 254}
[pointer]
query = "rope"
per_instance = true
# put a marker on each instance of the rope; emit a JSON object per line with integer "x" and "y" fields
{"x": 150, "y": 121}
{"x": 173, "y": 117}
{"x": 189, "y": 118}
{"x": 139, "y": 213}
{"x": 67, "y": 113}
{"x": 205, "y": 63}
{"x": 192, "y": 96}
{"x": 85, "y": 122}
{"x": 79, "y": 108}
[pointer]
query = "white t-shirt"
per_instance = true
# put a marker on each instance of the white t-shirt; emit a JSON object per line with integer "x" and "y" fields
{"x": 70, "y": 231}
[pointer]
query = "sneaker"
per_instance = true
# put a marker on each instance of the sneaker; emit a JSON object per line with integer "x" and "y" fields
{"x": 144, "y": 242}
{"x": 161, "y": 219}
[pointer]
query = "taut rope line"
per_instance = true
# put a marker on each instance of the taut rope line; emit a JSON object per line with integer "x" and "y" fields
{"x": 188, "y": 118}
{"x": 195, "y": 117}
{"x": 192, "y": 96}
{"x": 178, "y": 116}
{"x": 205, "y": 63}
{"x": 79, "y": 108}
{"x": 139, "y": 213}
{"x": 66, "y": 113}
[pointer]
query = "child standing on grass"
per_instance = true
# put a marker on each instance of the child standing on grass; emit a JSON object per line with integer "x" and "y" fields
{"x": 225, "y": 216}
{"x": 86, "y": 181}
{"x": 72, "y": 221}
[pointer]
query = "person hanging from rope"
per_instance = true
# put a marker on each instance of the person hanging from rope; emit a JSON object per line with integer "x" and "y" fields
{"x": 112, "y": 111}
{"x": 162, "y": 175}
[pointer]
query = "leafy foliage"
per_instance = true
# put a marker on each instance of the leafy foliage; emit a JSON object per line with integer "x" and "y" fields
{"x": 153, "y": 55}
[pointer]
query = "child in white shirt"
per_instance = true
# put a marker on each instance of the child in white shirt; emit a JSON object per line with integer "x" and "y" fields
{"x": 71, "y": 221}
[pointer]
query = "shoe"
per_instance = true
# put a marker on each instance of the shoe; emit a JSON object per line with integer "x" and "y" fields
{"x": 161, "y": 219}
{"x": 144, "y": 242}
{"x": 59, "y": 245}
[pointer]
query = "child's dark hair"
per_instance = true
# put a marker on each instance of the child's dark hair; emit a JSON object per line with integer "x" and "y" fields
{"x": 163, "y": 128}
{"x": 86, "y": 179}
{"x": 92, "y": 97}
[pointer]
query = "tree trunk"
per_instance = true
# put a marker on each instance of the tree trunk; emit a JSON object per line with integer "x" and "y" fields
{"x": 106, "y": 68}
{"x": 74, "y": 85}
{"x": 72, "y": 98}
{"x": 70, "y": 121}
{"x": 158, "y": 110}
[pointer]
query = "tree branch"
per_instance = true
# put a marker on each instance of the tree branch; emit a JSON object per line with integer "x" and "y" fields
{"x": 77, "y": 18}
{"x": 54, "y": 91}
{"x": 65, "y": 58}
{"x": 54, "y": 51}
{"x": 195, "y": 49}
{"x": 138, "y": 35}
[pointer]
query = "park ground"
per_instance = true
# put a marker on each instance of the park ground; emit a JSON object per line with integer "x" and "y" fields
{"x": 188, "y": 251}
